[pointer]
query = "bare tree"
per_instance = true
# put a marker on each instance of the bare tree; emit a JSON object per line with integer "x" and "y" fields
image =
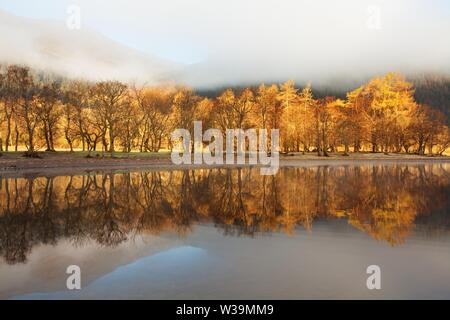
{"x": 24, "y": 91}
{"x": 109, "y": 104}
{"x": 49, "y": 112}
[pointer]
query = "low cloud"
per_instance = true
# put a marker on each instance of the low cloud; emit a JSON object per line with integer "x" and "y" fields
{"x": 239, "y": 42}
{"x": 50, "y": 46}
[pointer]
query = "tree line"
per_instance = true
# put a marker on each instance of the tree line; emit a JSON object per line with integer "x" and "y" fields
{"x": 39, "y": 112}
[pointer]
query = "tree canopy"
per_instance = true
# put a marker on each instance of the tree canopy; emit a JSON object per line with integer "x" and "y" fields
{"x": 43, "y": 113}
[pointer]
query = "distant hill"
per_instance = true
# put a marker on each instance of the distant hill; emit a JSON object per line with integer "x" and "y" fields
{"x": 433, "y": 90}
{"x": 83, "y": 53}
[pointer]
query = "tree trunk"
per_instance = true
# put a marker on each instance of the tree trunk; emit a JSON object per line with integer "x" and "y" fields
{"x": 47, "y": 140}
{"x": 30, "y": 140}
{"x": 16, "y": 140}
{"x": 8, "y": 132}
{"x": 111, "y": 141}
{"x": 51, "y": 138}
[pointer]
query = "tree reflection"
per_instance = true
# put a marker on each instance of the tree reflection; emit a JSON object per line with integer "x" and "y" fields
{"x": 384, "y": 201}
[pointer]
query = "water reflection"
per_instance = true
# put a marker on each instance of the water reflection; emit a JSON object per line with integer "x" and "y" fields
{"x": 385, "y": 201}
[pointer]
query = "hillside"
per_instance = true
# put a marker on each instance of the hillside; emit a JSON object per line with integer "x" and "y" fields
{"x": 84, "y": 53}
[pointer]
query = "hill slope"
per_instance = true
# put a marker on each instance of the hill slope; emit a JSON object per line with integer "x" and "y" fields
{"x": 80, "y": 53}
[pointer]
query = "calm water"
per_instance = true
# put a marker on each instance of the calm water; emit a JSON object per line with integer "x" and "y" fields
{"x": 229, "y": 233}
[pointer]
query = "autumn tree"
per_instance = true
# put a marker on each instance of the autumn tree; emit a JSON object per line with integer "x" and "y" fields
{"x": 326, "y": 113}
{"x": 25, "y": 91}
{"x": 109, "y": 106}
{"x": 267, "y": 111}
{"x": 345, "y": 129}
{"x": 355, "y": 120}
{"x": 305, "y": 116}
{"x": 185, "y": 111}
{"x": 243, "y": 108}
{"x": 391, "y": 106}
{"x": 438, "y": 134}
{"x": 94, "y": 129}
{"x": 235, "y": 111}
{"x": 267, "y": 105}
{"x": 10, "y": 95}
{"x": 443, "y": 140}
{"x": 288, "y": 99}
{"x": 2, "y": 83}
{"x": 427, "y": 127}
{"x": 77, "y": 102}
{"x": 48, "y": 110}
{"x": 225, "y": 115}
{"x": 128, "y": 130}
{"x": 154, "y": 106}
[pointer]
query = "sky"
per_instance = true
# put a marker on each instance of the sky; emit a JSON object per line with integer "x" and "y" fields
{"x": 261, "y": 39}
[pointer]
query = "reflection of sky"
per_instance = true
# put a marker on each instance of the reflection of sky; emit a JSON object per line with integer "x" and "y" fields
{"x": 189, "y": 31}
{"x": 161, "y": 270}
{"x": 329, "y": 263}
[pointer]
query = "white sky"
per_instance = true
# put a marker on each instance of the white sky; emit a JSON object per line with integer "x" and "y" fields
{"x": 268, "y": 38}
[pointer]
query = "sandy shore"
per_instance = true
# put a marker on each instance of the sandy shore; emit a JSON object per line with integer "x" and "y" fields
{"x": 64, "y": 163}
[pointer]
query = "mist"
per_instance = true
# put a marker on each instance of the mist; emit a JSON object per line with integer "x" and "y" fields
{"x": 48, "y": 46}
{"x": 217, "y": 43}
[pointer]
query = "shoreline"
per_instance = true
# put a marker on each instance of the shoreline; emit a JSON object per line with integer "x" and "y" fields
{"x": 55, "y": 164}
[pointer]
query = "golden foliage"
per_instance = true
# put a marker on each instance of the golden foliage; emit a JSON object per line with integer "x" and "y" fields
{"x": 381, "y": 115}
